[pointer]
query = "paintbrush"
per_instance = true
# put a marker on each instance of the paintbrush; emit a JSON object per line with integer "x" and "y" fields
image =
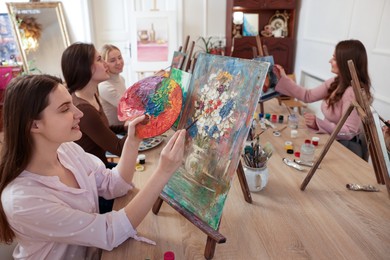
{"x": 188, "y": 127}
{"x": 288, "y": 109}
{"x": 384, "y": 121}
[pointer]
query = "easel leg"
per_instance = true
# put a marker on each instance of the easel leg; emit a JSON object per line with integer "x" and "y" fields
{"x": 210, "y": 248}
{"x": 327, "y": 146}
{"x": 157, "y": 205}
{"x": 261, "y": 107}
{"x": 243, "y": 183}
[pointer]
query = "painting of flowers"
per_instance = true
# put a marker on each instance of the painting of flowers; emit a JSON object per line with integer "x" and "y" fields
{"x": 221, "y": 99}
{"x": 183, "y": 79}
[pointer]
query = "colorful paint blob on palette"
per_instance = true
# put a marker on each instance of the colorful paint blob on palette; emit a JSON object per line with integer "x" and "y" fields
{"x": 158, "y": 97}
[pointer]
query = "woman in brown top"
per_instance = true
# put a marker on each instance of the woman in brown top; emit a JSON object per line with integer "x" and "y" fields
{"x": 83, "y": 69}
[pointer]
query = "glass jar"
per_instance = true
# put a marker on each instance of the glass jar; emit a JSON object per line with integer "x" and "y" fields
{"x": 307, "y": 152}
{"x": 293, "y": 121}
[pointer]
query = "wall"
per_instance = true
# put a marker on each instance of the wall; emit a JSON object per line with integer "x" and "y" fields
{"x": 317, "y": 34}
{"x": 75, "y": 12}
{"x": 209, "y": 20}
{"x": 349, "y": 19}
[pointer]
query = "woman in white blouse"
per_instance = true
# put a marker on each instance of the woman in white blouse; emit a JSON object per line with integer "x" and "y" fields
{"x": 111, "y": 90}
{"x": 49, "y": 186}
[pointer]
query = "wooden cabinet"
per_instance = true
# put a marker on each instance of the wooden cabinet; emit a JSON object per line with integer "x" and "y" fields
{"x": 6, "y": 74}
{"x": 282, "y": 48}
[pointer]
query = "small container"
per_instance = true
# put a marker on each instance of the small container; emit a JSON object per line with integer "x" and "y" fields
{"x": 281, "y": 119}
{"x": 293, "y": 121}
{"x": 294, "y": 133}
{"x": 141, "y": 158}
{"x": 274, "y": 118}
{"x": 261, "y": 115}
{"x": 315, "y": 140}
{"x": 169, "y": 255}
{"x": 268, "y": 116}
{"x": 307, "y": 151}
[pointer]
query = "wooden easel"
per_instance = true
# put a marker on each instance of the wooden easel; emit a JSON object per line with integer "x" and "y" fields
{"x": 213, "y": 236}
{"x": 363, "y": 108}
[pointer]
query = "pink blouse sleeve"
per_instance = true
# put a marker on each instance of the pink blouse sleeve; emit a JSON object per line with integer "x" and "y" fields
{"x": 352, "y": 124}
{"x": 288, "y": 87}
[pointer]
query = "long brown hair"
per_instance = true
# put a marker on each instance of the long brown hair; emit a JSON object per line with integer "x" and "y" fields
{"x": 25, "y": 98}
{"x": 349, "y": 50}
{"x": 76, "y": 65}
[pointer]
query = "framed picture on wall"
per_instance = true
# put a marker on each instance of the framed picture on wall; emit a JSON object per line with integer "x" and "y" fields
{"x": 9, "y": 52}
{"x": 250, "y": 25}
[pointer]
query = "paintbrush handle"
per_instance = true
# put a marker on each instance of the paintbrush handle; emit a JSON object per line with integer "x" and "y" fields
{"x": 384, "y": 121}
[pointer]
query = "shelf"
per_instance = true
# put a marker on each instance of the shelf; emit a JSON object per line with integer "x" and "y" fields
{"x": 282, "y": 49}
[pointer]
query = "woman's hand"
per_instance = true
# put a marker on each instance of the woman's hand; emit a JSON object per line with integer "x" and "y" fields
{"x": 131, "y": 127}
{"x": 279, "y": 71}
{"x": 386, "y": 130}
{"x": 386, "y": 134}
{"x": 172, "y": 155}
{"x": 310, "y": 120}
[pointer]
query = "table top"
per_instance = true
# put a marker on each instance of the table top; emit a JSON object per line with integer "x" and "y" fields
{"x": 325, "y": 221}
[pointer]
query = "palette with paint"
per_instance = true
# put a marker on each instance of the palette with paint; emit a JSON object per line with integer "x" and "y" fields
{"x": 150, "y": 143}
{"x": 158, "y": 97}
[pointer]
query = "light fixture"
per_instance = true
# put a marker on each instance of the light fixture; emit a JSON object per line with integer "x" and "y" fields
{"x": 30, "y": 32}
{"x": 238, "y": 19}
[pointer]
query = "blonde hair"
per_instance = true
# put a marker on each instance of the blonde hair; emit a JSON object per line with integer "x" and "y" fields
{"x": 106, "y": 50}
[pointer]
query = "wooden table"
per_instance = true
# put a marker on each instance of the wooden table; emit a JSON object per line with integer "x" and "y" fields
{"x": 326, "y": 221}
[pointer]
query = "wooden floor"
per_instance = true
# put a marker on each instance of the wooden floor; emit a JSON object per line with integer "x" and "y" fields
{"x": 326, "y": 221}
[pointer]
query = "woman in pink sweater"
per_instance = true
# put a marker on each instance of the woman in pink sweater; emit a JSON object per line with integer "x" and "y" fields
{"x": 49, "y": 185}
{"x": 336, "y": 94}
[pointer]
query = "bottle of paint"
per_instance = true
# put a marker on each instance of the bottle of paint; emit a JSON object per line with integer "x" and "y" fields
{"x": 274, "y": 118}
{"x": 315, "y": 140}
{"x": 141, "y": 158}
{"x": 281, "y": 119}
{"x": 261, "y": 115}
{"x": 169, "y": 255}
{"x": 294, "y": 133}
{"x": 307, "y": 152}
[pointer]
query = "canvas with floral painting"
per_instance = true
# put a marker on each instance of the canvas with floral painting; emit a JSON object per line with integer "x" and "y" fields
{"x": 221, "y": 100}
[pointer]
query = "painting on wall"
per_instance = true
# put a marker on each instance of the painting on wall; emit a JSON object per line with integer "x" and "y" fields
{"x": 221, "y": 100}
{"x": 183, "y": 79}
{"x": 9, "y": 52}
{"x": 250, "y": 26}
{"x": 268, "y": 90}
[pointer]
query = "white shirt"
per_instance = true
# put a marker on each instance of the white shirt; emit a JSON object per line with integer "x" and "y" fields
{"x": 110, "y": 92}
{"x": 54, "y": 221}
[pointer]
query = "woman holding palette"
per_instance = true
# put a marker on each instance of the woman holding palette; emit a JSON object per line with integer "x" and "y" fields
{"x": 336, "y": 95}
{"x": 49, "y": 185}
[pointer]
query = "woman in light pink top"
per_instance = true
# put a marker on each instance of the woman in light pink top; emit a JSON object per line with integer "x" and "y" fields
{"x": 49, "y": 186}
{"x": 336, "y": 93}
